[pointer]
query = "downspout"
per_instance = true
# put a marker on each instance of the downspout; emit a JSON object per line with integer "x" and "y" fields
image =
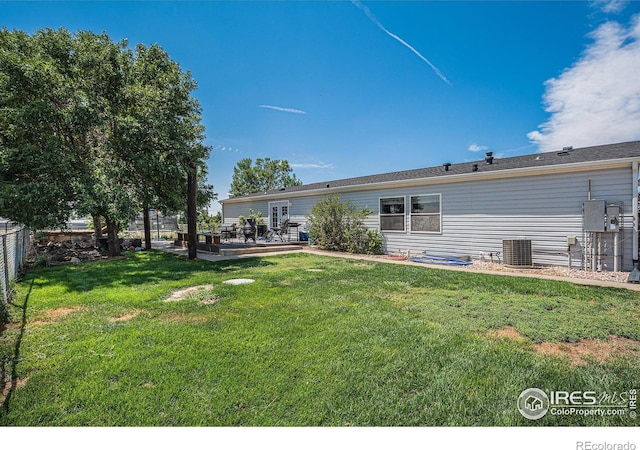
{"x": 634, "y": 203}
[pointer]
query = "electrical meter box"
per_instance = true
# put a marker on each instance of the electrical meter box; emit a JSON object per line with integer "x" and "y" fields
{"x": 593, "y": 215}
{"x": 613, "y": 217}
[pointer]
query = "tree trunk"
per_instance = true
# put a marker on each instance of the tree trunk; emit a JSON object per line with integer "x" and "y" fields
{"x": 192, "y": 209}
{"x": 112, "y": 238}
{"x": 147, "y": 229}
{"x": 97, "y": 227}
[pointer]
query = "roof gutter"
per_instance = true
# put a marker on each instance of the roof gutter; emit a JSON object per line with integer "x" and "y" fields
{"x": 457, "y": 178}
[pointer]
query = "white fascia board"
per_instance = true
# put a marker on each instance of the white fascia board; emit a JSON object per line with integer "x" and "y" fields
{"x": 457, "y": 178}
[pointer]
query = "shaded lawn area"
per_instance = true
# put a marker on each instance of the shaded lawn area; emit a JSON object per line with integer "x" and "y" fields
{"x": 313, "y": 341}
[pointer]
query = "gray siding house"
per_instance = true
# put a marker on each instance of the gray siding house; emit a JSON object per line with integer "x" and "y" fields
{"x": 469, "y": 209}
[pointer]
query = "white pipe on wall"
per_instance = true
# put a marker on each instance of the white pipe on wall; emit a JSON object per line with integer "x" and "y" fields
{"x": 615, "y": 252}
{"x": 634, "y": 209}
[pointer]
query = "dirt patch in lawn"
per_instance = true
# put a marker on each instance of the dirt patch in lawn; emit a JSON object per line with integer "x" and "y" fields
{"x": 210, "y": 300}
{"x": 184, "y": 318}
{"x": 508, "y": 332}
{"x": 8, "y": 387}
{"x": 60, "y": 313}
{"x": 579, "y": 353}
{"x": 184, "y": 293}
{"x": 53, "y": 315}
{"x": 126, "y": 317}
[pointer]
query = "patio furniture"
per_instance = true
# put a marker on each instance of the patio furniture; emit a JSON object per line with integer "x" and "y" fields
{"x": 210, "y": 238}
{"x": 282, "y": 229}
{"x": 225, "y": 231}
{"x": 249, "y": 230}
{"x": 293, "y": 225}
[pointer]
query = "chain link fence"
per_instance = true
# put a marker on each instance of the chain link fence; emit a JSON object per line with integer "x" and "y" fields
{"x": 13, "y": 252}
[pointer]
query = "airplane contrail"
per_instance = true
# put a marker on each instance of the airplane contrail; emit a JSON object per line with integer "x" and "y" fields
{"x": 279, "y": 108}
{"x": 375, "y": 20}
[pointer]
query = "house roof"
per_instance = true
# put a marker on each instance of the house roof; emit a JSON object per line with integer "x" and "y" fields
{"x": 610, "y": 152}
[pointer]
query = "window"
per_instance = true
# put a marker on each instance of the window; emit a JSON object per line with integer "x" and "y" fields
{"x": 392, "y": 214}
{"x": 425, "y": 214}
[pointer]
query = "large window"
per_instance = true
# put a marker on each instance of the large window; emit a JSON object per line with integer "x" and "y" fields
{"x": 392, "y": 214}
{"x": 425, "y": 214}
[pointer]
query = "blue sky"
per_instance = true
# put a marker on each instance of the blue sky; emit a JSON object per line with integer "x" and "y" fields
{"x": 344, "y": 88}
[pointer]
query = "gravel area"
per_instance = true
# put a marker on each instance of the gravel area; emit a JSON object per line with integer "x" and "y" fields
{"x": 620, "y": 277}
{"x": 487, "y": 266}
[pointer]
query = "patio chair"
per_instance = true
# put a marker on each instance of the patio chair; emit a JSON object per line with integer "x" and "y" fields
{"x": 249, "y": 230}
{"x": 283, "y": 229}
{"x": 234, "y": 231}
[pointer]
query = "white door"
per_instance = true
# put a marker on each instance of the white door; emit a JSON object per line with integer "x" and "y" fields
{"x": 278, "y": 213}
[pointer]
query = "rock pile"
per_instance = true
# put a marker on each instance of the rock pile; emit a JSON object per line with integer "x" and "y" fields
{"x": 58, "y": 253}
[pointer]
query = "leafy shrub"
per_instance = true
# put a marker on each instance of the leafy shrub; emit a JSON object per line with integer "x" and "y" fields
{"x": 41, "y": 261}
{"x": 339, "y": 226}
{"x": 257, "y": 216}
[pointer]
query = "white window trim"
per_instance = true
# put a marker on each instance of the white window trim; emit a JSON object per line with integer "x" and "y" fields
{"x": 404, "y": 230}
{"x": 429, "y": 214}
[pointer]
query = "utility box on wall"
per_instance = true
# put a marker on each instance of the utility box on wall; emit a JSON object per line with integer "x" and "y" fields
{"x": 593, "y": 216}
{"x": 613, "y": 217}
{"x": 598, "y": 216}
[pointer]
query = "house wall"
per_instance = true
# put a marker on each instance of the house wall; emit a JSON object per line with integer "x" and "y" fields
{"x": 478, "y": 215}
{"x": 231, "y": 212}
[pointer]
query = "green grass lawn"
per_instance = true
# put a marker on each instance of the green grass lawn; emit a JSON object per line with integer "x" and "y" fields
{"x": 347, "y": 343}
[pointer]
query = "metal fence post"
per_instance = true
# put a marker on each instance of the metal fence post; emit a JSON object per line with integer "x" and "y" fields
{"x": 13, "y": 254}
{"x": 5, "y": 284}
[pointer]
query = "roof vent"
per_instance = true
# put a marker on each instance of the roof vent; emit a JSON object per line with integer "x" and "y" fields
{"x": 282, "y": 189}
{"x": 328, "y": 185}
{"x": 489, "y": 158}
{"x": 565, "y": 150}
{"x": 474, "y": 168}
{"x": 446, "y": 166}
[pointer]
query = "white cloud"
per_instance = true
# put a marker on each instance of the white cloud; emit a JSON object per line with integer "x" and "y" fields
{"x": 375, "y": 20}
{"x": 279, "y": 108}
{"x": 597, "y": 100}
{"x": 610, "y": 6}
{"x": 477, "y": 148}
{"x": 222, "y": 148}
{"x": 312, "y": 166}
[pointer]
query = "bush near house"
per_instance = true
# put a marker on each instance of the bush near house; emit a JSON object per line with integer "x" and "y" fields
{"x": 338, "y": 225}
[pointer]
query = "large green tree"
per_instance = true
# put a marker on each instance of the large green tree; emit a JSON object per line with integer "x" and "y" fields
{"x": 264, "y": 175}
{"x": 88, "y": 125}
{"x": 164, "y": 133}
{"x": 45, "y": 122}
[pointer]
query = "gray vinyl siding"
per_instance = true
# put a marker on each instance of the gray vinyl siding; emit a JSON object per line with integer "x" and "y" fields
{"x": 231, "y": 211}
{"x": 478, "y": 215}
